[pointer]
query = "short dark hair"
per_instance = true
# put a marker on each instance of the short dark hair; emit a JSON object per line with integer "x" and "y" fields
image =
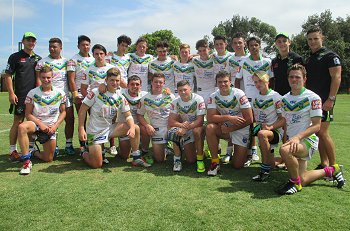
{"x": 55, "y": 40}
{"x": 82, "y": 38}
{"x": 162, "y": 44}
{"x": 134, "y": 78}
{"x": 182, "y": 83}
{"x": 254, "y": 38}
{"x": 158, "y": 75}
{"x": 140, "y": 40}
{"x": 297, "y": 67}
{"x": 314, "y": 29}
{"x": 222, "y": 74}
{"x": 124, "y": 38}
{"x": 220, "y": 37}
{"x": 238, "y": 35}
{"x": 100, "y": 47}
{"x": 202, "y": 43}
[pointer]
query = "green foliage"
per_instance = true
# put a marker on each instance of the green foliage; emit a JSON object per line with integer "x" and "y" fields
{"x": 157, "y": 36}
{"x": 337, "y": 38}
{"x": 249, "y": 27}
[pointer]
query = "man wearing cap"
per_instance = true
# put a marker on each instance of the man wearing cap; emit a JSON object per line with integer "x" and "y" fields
{"x": 282, "y": 62}
{"x": 20, "y": 79}
{"x": 323, "y": 77}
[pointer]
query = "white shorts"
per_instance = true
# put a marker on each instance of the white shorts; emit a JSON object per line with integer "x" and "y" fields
{"x": 240, "y": 137}
{"x": 311, "y": 144}
{"x": 101, "y": 137}
{"x": 160, "y": 136}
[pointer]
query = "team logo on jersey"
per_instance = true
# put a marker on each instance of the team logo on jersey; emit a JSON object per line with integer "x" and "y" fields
{"x": 316, "y": 104}
{"x": 201, "y": 106}
{"x": 90, "y": 95}
{"x": 336, "y": 61}
{"x": 243, "y": 100}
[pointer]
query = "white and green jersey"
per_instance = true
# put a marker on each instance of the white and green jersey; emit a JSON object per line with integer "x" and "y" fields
{"x": 267, "y": 107}
{"x": 46, "y": 105}
{"x": 103, "y": 108}
{"x": 183, "y": 71}
{"x": 122, "y": 63}
{"x": 94, "y": 76}
{"x": 246, "y": 72}
{"x": 190, "y": 110}
{"x": 204, "y": 72}
{"x": 59, "y": 69}
{"x": 139, "y": 66}
{"x": 165, "y": 67}
{"x": 79, "y": 65}
{"x": 234, "y": 65}
{"x": 157, "y": 108}
{"x": 231, "y": 104}
{"x": 221, "y": 63}
{"x": 299, "y": 109}
{"x": 134, "y": 103}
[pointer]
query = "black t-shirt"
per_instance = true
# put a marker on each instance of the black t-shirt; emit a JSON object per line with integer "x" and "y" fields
{"x": 22, "y": 66}
{"x": 280, "y": 68}
{"x": 317, "y": 67}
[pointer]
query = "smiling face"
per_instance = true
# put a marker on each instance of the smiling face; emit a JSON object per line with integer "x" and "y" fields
{"x": 220, "y": 46}
{"x": 29, "y": 44}
{"x": 134, "y": 87}
{"x": 254, "y": 48}
{"x": 296, "y": 80}
{"x": 224, "y": 85}
{"x": 315, "y": 40}
{"x": 283, "y": 44}
{"x": 55, "y": 50}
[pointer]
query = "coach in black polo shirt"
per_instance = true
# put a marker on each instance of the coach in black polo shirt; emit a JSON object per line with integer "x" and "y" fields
{"x": 20, "y": 79}
{"x": 323, "y": 77}
{"x": 281, "y": 63}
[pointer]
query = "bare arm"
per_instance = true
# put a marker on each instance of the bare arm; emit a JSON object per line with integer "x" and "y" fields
{"x": 239, "y": 123}
{"x": 335, "y": 73}
{"x": 81, "y": 121}
{"x": 61, "y": 117}
{"x": 12, "y": 96}
{"x": 83, "y": 90}
{"x": 37, "y": 80}
{"x": 280, "y": 122}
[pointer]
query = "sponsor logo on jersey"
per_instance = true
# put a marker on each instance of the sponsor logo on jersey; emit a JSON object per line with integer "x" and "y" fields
{"x": 336, "y": 61}
{"x": 90, "y": 95}
{"x": 28, "y": 100}
{"x": 210, "y": 100}
{"x": 22, "y": 60}
{"x": 201, "y": 106}
{"x": 243, "y": 100}
{"x": 278, "y": 104}
{"x": 316, "y": 104}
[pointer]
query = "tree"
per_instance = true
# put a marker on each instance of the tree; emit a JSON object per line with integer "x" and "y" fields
{"x": 160, "y": 35}
{"x": 337, "y": 38}
{"x": 249, "y": 27}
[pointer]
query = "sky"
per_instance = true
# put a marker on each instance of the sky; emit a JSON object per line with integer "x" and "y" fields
{"x": 104, "y": 21}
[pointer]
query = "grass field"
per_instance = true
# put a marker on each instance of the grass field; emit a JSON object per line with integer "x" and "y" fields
{"x": 67, "y": 195}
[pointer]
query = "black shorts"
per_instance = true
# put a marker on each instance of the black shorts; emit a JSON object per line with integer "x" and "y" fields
{"x": 18, "y": 109}
{"x": 327, "y": 116}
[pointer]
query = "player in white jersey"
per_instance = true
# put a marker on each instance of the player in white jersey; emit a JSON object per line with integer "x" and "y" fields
{"x": 60, "y": 81}
{"x": 96, "y": 74}
{"x": 157, "y": 106}
{"x": 133, "y": 95}
{"x": 186, "y": 126}
{"x": 163, "y": 64}
{"x": 254, "y": 62}
{"x": 139, "y": 63}
{"x": 221, "y": 56}
{"x": 121, "y": 59}
{"x": 269, "y": 122}
{"x": 302, "y": 109}
{"x": 184, "y": 69}
{"x": 104, "y": 107}
{"x": 204, "y": 70}
{"x": 45, "y": 111}
{"x": 229, "y": 116}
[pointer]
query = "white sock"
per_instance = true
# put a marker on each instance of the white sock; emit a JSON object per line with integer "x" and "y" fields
{"x": 177, "y": 158}
{"x": 13, "y": 147}
{"x": 229, "y": 150}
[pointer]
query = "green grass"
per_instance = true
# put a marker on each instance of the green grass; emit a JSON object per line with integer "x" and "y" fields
{"x": 67, "y": 195}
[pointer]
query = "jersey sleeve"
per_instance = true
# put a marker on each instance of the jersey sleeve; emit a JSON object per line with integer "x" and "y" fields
{"x": 29, "y": 97}
{"x": 141, "y": 108}
{"x": 124, "y": 105}
{"x": 333, "y": 60}
{"x": 277, "y": 103}
{"x": 64, "y": 97}
{"x": 39, "y": 65}
{"x": 200, "y": 106}
{"x": 11, "y": 65}
{"x": 316, "y": 106}
{"x": 211, "y": 101}
{"x": 173, "y": 108}
{"x": 85, "y": 78}
{"x": 90, "y": 98}
{"x": 243, "y": 100}
{"x": 71, "y": 65}
{"x": 239, "y": 74}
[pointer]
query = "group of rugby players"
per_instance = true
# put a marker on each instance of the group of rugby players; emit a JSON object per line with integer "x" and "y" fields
{"x": 189, "y": 103}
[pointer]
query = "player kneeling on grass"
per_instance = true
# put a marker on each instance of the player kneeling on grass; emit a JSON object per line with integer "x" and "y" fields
{"x": 229, "y": 116}
{"x": 103, "y": 108}
{"x": 45, "y": 111}
{"x": 269, "y": 120}
{"x": 302, "y": 109}
{"x": 186, "y": 126}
